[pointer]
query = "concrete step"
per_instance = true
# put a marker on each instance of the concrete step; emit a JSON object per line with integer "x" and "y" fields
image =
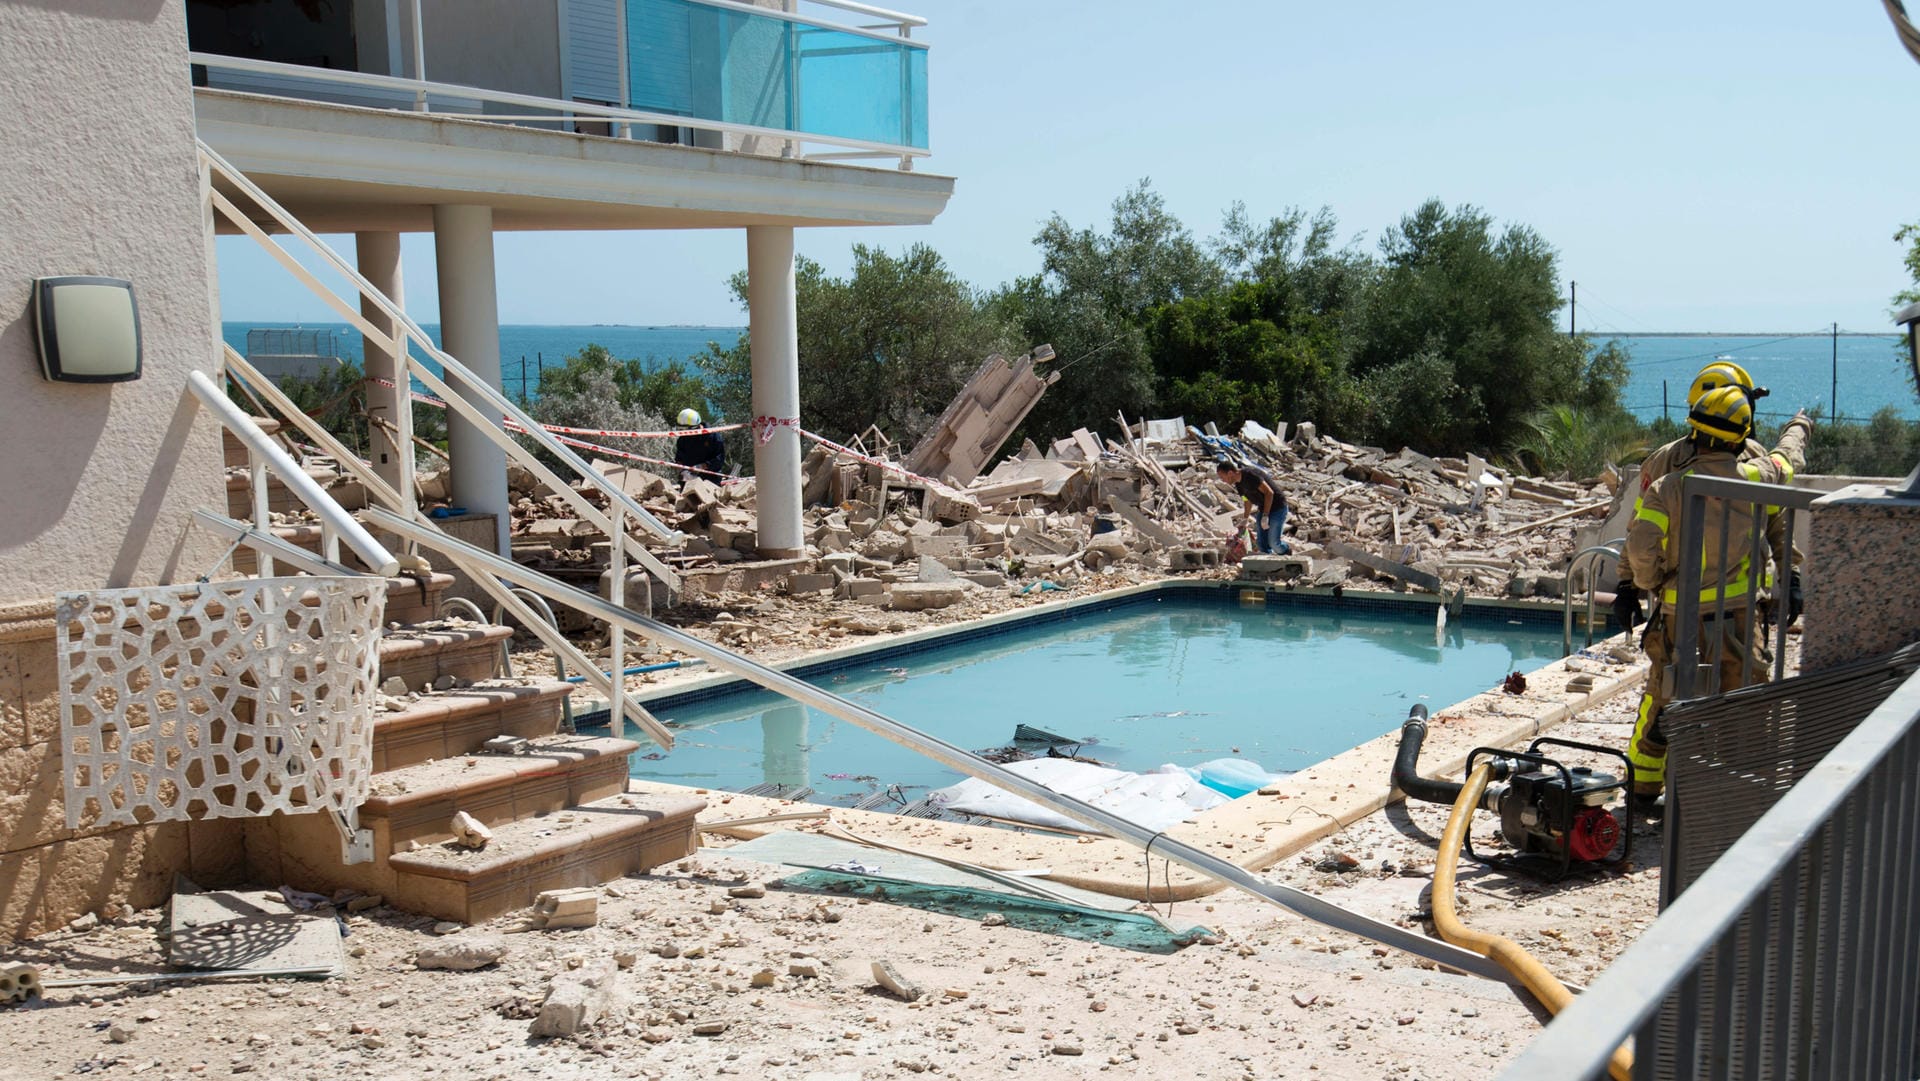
{"x": 416, "y": 804}
{"x": 424, "y": 652}
{"x": 234, "y": 451}
{"x": 584, "y": 846}
{"x": 415, "y": 600}
{"x": 457, "y": 722}
{"x": 350, "y": 494}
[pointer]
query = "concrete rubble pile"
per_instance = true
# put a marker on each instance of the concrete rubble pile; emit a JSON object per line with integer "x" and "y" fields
{"x": 880, "y": 535}
{"x": 880, "y": 532}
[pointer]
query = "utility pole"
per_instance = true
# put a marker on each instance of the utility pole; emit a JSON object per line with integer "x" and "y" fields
{"x": 1833, "y": 396}
{"x": 1664, "y": 414}
{"x": 1573, "y": 305}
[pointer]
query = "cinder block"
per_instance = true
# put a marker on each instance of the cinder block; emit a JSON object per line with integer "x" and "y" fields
{"x": 1182, "y": 560}
{"x": 950, "y": 547}
{"x": 1273, "y": 567}
{"x": 858, "y": 588}
{"x": 809, "y": 583}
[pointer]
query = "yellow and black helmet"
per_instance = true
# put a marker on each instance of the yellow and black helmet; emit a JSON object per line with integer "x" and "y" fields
{"x": 1723, "y": 373}
{"x": 1723, "y": 413}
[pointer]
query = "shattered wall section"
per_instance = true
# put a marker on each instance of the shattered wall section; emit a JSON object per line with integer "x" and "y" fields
{"x": 981, "y": 417}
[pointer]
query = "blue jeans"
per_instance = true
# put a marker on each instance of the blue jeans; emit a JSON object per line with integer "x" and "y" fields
{"x": 1268, "y": 539}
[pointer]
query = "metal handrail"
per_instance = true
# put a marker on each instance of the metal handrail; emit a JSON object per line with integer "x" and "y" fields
{"x": 893, "y": 18}
{"x": 1566, "y": 590}
{"x": 261, "y": 446}
{"x": 540, "y": 604}
{"x": 506, "y": 645}
{"x": 1696, "y": 489}
{"x": 947, "y": 754}
{"x": 1579, "y": 1042}
{"x": 493, "y": 398}
{"x": 564, "y": 110}
{"x": 266, "y": 544}
{"x": 381, "y": 492}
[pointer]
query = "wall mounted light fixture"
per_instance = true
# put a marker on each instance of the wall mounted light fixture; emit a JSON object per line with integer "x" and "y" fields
{"x": 88, "y": 329}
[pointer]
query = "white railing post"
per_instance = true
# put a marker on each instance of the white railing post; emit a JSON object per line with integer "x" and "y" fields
{"x": 262, "y": 517}
{"x": 487, "y": 394}
{"x": 264, "y": 454}
{"x": 419, "y": 57}
{"x": 617, "y": 635}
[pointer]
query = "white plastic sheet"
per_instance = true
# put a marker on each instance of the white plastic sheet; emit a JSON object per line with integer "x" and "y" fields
{"x": 1157, "y": 800}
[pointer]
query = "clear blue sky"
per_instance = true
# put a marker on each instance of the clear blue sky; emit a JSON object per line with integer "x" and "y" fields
{"x": 1699, "y": 166}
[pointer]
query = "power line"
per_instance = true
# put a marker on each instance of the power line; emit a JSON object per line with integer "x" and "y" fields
{"x": 1718, "y": 353}
{"x": 1591, "y": 299}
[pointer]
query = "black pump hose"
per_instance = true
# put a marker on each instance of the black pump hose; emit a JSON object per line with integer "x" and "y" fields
{"x": 1406, "y": 764}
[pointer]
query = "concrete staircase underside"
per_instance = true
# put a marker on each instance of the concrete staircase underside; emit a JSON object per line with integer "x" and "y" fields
{"x": 559, "y": 812}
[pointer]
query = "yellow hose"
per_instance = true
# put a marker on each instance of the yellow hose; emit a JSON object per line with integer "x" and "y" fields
{"x": 1505, "y": 952}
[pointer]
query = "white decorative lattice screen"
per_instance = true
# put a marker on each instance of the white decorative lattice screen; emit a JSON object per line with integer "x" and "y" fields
{"x": 223, "y": 700}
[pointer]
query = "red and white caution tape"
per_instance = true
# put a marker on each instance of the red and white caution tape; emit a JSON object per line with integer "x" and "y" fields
{"x": 764, "y": 427}
{"x": 603, "y": 433}
{"x": 629, "y": 456}
{"x": 870, "y": 460}
{"x": 607, "y": 433}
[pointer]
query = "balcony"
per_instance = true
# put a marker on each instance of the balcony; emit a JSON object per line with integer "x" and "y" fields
{"x": 716, "y": 74}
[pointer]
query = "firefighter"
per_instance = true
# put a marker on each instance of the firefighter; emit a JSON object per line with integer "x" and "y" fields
{"x": 699, "y": 452}
{"x": 1776, "y": 466}
{"x": 1719, "y": 424}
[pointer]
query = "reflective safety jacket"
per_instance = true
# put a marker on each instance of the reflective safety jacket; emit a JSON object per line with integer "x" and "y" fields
{"x": 1659, "y": 519}
{"x": 1776, "y": 466}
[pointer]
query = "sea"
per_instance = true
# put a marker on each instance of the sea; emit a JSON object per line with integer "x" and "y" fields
{"x": 1849, "y": 375}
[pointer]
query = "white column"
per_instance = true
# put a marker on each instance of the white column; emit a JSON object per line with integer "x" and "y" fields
{"x": 470, "y": 331}
{"x": 378, "y": 257}
{"x": 773, "y": 336}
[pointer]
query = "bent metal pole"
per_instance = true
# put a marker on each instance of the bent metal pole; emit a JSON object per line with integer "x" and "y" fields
{"x": 1155, "y": 843}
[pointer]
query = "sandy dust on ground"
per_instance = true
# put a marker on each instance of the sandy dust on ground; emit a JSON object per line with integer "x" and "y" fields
{"x": 710, "y": 990}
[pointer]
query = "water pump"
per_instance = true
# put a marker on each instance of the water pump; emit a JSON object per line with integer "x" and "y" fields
{"x": 1554, "y": 817}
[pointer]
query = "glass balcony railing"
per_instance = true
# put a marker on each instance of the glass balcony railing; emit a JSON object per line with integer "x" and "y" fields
{"x": 726, "y": 63}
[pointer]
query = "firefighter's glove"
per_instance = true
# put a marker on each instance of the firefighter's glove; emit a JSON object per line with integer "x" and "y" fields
{"x": 1626, "y": 606}
{"x": 1796, "y": 600}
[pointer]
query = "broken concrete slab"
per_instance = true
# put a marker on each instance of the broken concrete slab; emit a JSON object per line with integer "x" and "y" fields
{"x": 1393, "y": 568}
{"x": 251, "y": 929}
{"x": 460, "y": 953}
{"x": 932, "y": 570}
{"x": 580, "y": 999}
{"x": 895, "y": 982}
{"x": 1274, "y": 567}
{"x": 920, "y": 596}
{"x": 574, "y": 907}
{"x": 801, "y": 584}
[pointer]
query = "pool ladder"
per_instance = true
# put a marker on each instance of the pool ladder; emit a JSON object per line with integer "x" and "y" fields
{"x": 1613, "y": 549}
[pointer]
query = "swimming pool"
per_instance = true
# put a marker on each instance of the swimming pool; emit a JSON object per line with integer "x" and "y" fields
{"x": 1179, "y": 676}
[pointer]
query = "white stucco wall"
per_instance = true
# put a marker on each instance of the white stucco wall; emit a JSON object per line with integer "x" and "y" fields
{"x": 98, "y": 176}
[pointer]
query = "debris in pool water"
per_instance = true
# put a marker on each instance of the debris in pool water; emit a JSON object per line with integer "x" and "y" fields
{"x": 1026, "y": 733}
{"x": 867, "y": 777}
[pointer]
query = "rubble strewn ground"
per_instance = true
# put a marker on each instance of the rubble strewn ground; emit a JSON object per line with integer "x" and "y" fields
{"x": 713, "y": 979}
{"x": 716, "y": 966}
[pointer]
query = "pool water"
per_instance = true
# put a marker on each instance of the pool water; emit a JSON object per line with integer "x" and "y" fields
{"x": 1179, "y": 678}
